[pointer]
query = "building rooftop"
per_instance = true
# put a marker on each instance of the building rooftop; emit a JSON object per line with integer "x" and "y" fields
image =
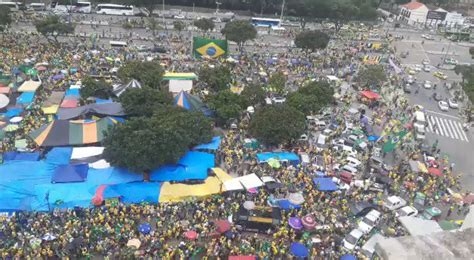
{"x": 413, "y": 5}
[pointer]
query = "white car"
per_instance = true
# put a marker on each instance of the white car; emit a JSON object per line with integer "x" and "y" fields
{"x": 425, "y": 62}
{"x": 443, "y": 105}
{"x": 278, "y": 100}
{"x": 452, "y": 103}
{"x": 353, "y": 162}
{"x": 410, "y": 79}
{"x": 418, "y": 67}
{"x": 427, "y": 84}
{"x": 179, "y": 17}
{"x": 351, "y": 240}
{"x": 406, "y": 211}
{"x": 394, "y": 202}
{"x": 427, "y": 68}
{"x": 369, "y": 221}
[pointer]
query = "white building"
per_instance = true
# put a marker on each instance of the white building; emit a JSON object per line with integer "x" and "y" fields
{"x": 413, "y": 13}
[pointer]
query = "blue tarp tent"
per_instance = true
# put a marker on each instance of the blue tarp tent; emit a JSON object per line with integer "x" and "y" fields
{"x": 192, "y": 166}
{"x": 12, "y": 112}
{"x": 15, "y": 156}
{"x": 299, "y": 250}
{"x": 72, "y": 92}
{"x": 102, "y": 101}
{"x": 280, "y": 156}
{"x": 59, "y": 155}
{"x": 287, "y": 205}
{"x": 325, "y": 184}
{"x": 70, "y": 173}
{"x": 134, "y": 192}
{"x": 25, "y": 98}
{"x": 213, "y": 145}
{"x": 348, "y": 257}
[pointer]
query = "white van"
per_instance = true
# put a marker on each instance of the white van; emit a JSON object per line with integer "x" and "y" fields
{"x": 420, "y": 117}
{"x": 351, "y": 240}
{"x": 353, "y": 162}
{"x": 118, "y": 44}
{"x": 349, "y": 169}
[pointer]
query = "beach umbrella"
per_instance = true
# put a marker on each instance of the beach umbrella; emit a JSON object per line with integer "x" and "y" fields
{"x": 49, "y": 237}
{"x": 249, "y": 205}
{"x": 295, "y": 223}
{"x": 274, "y": 163}
{"x": 222, "y": 226}
{"x": 4, "y": 101}
{"x": 308, "y": 222}
{"x": 41, "y": 68}
{"x": 134, "y": 243}
{"x": 16, "y": 119}
{"x": 299, "y": 250}
{"x": 144, "y": 228}
{"x": 10, "y": 128}
{"x": 296, "y": 198}
{"x": 191, "y": 234}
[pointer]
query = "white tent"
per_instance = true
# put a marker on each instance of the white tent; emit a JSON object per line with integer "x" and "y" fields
{"x": 84, "y": 152}
{"x": 233, "y": 185}
{"x": 250, "y": 181}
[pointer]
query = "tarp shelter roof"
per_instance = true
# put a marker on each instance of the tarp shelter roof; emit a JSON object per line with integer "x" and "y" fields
{"x": 325, "y": 184}
{"x": 104, "y": 109}
{"x": 370, "y": 94}
{"x": 179, "y": 76}
{"x": 418, "y": 226}
{"x": 54, "y": 99}
{"x": 190, "y": 102}
{"x": 192, "y": 166}
{"x": 67, "y": 133}
{"x": 84, "y": 152}
{"x": 70, "y": 173}
{"x": 213, "y": 145}
{"x": 120, "y": 89}
{"x": 25, "y": 98}
{"x": 5, "y": 90}
{"x": 69, "y": 103}
{"x": 29, "y": 86}
{"x": 247, "y": 182}
{"x": 280, "y": 156}
{"x": 15, "y": 156}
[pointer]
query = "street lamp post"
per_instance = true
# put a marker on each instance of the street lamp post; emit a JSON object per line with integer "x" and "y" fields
{"x": 163, "y": 11}
{"x": 217, "y": 6}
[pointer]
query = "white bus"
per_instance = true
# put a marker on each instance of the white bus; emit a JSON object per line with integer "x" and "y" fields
{"x": 14, "y": 6}
{"x": 38, "y": 7}
{"x": 265, "y": 22}
{"x": 115, "y": 9}
{"x": 79, "y": 7}
{"x": 118, "y": 44}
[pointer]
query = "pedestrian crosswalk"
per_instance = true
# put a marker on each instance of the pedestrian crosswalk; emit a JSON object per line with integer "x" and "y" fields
{"x": 446, "y": 127}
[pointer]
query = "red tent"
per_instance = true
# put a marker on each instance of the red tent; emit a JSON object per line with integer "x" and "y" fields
{"x": 370, "y": 95}
{"x": 435, "y": 171}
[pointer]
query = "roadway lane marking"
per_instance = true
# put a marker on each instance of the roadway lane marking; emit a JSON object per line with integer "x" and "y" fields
{"x": 447, "y": 127}
{"x": 464, "y": 133}
{"x": 430, "y": 123}
{"x": 438, "y": 126}
{"x": 460, "y": 131}
{"x": 437, "y": 113}
{"x": 455, "y": 133}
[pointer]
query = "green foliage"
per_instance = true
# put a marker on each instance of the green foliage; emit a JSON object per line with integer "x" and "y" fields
{"x": 52, "y": 26}
{"x": 226, "y": 105}
{"x": 371, "y": 75}
{"x": 95, "y": 88}
{"x": 311, "y": 98}
{"x": 153, "y": 24}
{"x": 179, "y": 25}
{"x": 149, "y": 5}
{"x": 5, "y": 17}
{"x": 277, "y": 83}
{"x": 127, "y": 26}
{"x": 277, "y": 124}
{"x": 312, "y": 40}
{"x": 239, "y": 31}
{"x": 144, "y": 101}
{"x": 217, "y": 78}
{"x": 471, "y": 51}
{"x": 467, "y": 73}
{"x": 253, "y": 95}
{"x": 204, "y": 24}
{"x": 149, "y": 73}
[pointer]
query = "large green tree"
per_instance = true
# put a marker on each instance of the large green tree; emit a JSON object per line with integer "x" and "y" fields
{"x": 5, "y": 17}
{"x": 310, "y": 99}
{"x": 312, "y": 40}
{"x": 204, "y": 24}
{"x": 277, "y": 83}
{"x": 52, "y": 26}
{"x": 467, "y": 73}
{"x": 253, "y": 95}
{"x": 95, "y": 88}
{"x": 149, "y": 73}
{"x": 277, "y": 124}
{"x": 371, "y": 75}
{"x": 239, "y": 31}
{"x": 226, "y": 105}
{"x": 179, "y": 25}
{"x": 217, "y": 78}
{"x": 144, "y": 101}
{"x": 148, "y": 5}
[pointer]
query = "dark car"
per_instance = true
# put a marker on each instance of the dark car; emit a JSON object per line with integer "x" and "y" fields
{"x": 407, "y": 88}
{"x": 437, "y": 97}
{"x": 359, "y": 209}
{"x": 159, "y": 49}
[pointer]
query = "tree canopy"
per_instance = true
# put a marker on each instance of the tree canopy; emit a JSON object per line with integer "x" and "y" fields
{"x": 239, "y": 31}
{"x": 95, "y": 88}
{"x": 227, "y": 105}
{"x": 5, "y": 17}
{"x": 149, "y": 73}
{"x": 144, "y": 101}
{"x": 277, "y": 83}
{"x": 467, "y": 73}
{"x": 52, "y": 26}
{"x": 217, "y": 78}
{"x": 204, "y": 24}
{"x": 277, "y": 124}
{"x": 179, "y": 25}
{"x": 311, "y": 98}
{"x": 371, "y": 75}
{"x": 312, "y": 40}
{"x": 253, "y": 95}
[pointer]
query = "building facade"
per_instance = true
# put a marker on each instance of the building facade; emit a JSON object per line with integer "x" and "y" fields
{"x": 413, "y": 13}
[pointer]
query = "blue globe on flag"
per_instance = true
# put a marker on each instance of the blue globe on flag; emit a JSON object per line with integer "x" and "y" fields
{"x": 211, "y": 51}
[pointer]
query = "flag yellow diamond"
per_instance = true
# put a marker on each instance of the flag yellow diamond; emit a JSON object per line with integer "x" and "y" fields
{"x": 211, "y": 50}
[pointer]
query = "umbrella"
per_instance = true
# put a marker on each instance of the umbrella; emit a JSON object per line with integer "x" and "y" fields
{"x": 299, "y": 250}
{"x": 191, "y": 235}
{"x": 134, "y": 243}
{"x": 41, "y": 68}
{"x": 308, "y": 222}
{"x": 144, "y": 228}
{"x": 469, "y": 199}
{"x": 4, "y": 100}
{"x": 274, "y": 163}
{"x": 10, "y": 128}
{"x": 222, "y": 226}
{"x": 296, "y": 198}
{"x": 295, "y": 223}
{"x": 249, "y": 205}
{"x": 348, "y": 257}
{"x": 58, "y": 76}
{"x": 16, "y": 119}
{"x": 48, "y": 237}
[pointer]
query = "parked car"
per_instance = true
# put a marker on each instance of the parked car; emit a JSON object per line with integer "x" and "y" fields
{"x": 406, "y": 211}
{"x": 418, "y": 67}
{"x": 278, "y": 100}
{"x": 452, "y": 103}
{"x": 394, "y": 202}
{"x": 427, "y": 84}
{"x": 440, "y": 75}
{"x": 410, "y": 80}
{"x": 425, "y": 62}
{"x": 407, "y": 88}
{"x": 443, "y": 105}
{"x": 427, "y": 68}
{"x": 351, "y": 240}
{"x": 360, "y": 209}
{"x": 369, "y": 221}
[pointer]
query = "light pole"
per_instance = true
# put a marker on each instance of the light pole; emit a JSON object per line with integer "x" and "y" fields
{"x": 217, "y": 6}
{"x": 163, "y": 11}
{"x": 282, "y": 10}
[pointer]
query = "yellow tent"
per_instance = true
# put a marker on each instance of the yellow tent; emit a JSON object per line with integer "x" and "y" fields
{"x": 179, "y": 192}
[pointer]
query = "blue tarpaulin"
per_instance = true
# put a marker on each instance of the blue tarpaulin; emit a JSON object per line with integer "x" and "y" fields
{"x": 102, "y": 101}
{"x": 348, "y": 257}
{"x": 134, "y": 192}
{"x": 59, "y": 155}
{"x": 373, "y": 138}
{"x": 72, "y": 92}
{"x": 281, "y": 156}
{"x": 299, "y": 250}
{"x": 25, "y": 98}
{"x": 213, "y": 145}
{"x": 192, "y": 166}
{"x": 70, "y": 173}
{"x": 12, "y": 112}
{"x": 325, "y": 184}
{"x": 287, "y": 205}
{"x": 15, "y": 156}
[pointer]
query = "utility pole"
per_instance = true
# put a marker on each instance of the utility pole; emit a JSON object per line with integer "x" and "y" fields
{"x": 282, "y": 11}
{"x": 163, "y": 10}
{"x": 217, "y": 6}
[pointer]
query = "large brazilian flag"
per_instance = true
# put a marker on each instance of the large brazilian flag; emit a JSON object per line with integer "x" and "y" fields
{"x": 210, "y": 48}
